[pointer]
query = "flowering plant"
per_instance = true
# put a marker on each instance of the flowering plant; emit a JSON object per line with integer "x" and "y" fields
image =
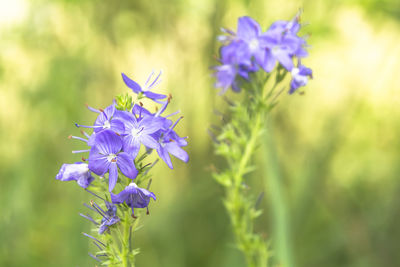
{"x": 248, "y": 62}
{"x": 120, "y": 131}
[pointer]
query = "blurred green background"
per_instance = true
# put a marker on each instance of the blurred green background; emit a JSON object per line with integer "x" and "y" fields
{"x": 338, "y": 144}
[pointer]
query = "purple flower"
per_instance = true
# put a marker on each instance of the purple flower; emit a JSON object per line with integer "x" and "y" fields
{"x": 78, "y": 172}
{"x": 299, "y": 77}
{"x": 249, "y": 31}
{"x": 106, "y": 156}
{"x": 136, "y": 88}
{"x": 235, "y": 59}
{"x": 171, "y": 143}
{"x": 105, "y": 120}
{"x": 133, "y": 196}
{"x": 138, "y": 131}
{"x": 109, "y": 217}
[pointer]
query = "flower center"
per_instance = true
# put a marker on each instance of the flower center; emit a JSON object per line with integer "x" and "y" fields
{"x": 253, "y": 45}
{"x": 136, "y": 131}
{"x": 111, "y": 157}
{"x": 106, "y": 125}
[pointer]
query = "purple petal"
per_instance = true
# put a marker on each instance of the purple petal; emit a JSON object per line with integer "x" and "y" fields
{"x": 131, "y": 84}
{"x": 78, "y": 172}
{"x": 117, "y": 126}
{"x": 126, "y": 165}
{"x": 131, "y": 145}
{"x": 113, "y": 176}
{"x": 108, "y": 142}
{"x": 152, "y": 95}
{"x": 163, "y": 153}
{"x": 149, "y": 141}
{"x": 247, "y": 28}
{"x": 176, "y": 151}
{"x": 285, "y": 60}
{"x": 98, "y": 163}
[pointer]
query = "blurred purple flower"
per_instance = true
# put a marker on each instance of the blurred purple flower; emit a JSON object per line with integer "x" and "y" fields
{"x": 300, "y": 77}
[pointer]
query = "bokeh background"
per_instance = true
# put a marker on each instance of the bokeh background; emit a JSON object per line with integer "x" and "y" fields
{"x": 338, "y": 145}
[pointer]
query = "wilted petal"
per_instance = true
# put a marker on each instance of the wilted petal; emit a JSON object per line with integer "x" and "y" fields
{"x": 78, "y": 172}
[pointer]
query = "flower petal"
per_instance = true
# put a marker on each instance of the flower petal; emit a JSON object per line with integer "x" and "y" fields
{"x": 108, "y": 142}
{"x": 98, "y": 163}
{"x": 131, "y": 84}
{"x": 149, "y": 141}
{"x": 131, "y": 145}
{"x": 113, "y": 176}
{"x": 163, "y": 153}
{"x": 247, "y": 28}
{"x": 126, "y": 165}
{"x": 176, "y": 151}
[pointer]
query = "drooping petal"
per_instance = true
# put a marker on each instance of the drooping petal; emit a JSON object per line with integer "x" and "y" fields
{"x": 98, "y": 163}
{"x": 126, "y": 165}
{"x": 175, "y": 150}
{"x": 113, "y": 176}
{"x": 163, "y": 153}
{"x": 108, "y": 142}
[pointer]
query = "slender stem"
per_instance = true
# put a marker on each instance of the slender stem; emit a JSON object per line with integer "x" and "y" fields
{"x": 125, "y": 242}
{"x": 273, "y": 185}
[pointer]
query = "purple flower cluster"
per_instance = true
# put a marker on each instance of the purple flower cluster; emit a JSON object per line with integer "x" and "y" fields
{"x": 250, "y": 49}
{"x": 117, "y": 137}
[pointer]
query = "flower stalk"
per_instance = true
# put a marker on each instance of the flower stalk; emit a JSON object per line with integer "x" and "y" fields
{"x": 124, "y": 135}
{"x": 248, "y": 62}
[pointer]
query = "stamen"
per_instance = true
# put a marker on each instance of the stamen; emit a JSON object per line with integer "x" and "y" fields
{"x": 172, "y": 114}
{"x": 97, "y": 245}
{"x": 89, "y": 207}
{"x": 80, "y": 151}
{"x": 85, "y": 134}
{"x": 92, "y": 109}
{"x": 149, "y": 77}
{"x": 78, "y": 138}
{"x": 89, "y": 218}
{"x": 155, "y": 82}
{"x": 95, "y": 239}
{"x": 85, "y": 126}
{"x": 90, "y": 192}
{"x": 94, "y": 257}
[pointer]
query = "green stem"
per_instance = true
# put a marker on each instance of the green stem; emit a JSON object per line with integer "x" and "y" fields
{"x": 273, "y": 185}
{"x": 126, "y": 248}
{"x": 252, "y": 246}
